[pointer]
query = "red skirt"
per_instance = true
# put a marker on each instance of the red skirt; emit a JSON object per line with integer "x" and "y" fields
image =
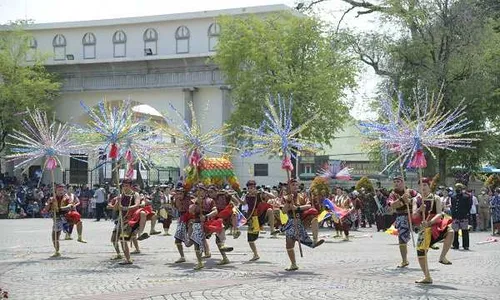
{"x": 73, "y": 217}
{"x": 262, "y": 208}
{"x": 213, "y": 226}
{"x": 185, "y": 217}
{"x": 226, "y": 213}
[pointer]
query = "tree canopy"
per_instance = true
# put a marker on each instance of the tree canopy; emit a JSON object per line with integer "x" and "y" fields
{"x": 290, "y": 55}
{"x": 22, "y": 84}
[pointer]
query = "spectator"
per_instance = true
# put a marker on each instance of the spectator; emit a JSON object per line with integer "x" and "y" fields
{"x": 484, "y": 210}
{"x": 100, "y": 202}
{"x": 473, "y": 210}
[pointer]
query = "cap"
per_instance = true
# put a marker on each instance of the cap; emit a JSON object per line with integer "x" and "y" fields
{"x": 459, "y": 186}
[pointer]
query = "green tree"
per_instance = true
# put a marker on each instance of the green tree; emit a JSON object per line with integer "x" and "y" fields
{"x": 288, "y": 55}
{"x": 438, "y": 45}
{"x": 22, "y": 84}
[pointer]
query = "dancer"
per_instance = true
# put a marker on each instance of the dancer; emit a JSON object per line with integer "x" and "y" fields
{"x": 61, "y": 204}
{"x": 258, "y": 210}
{"x": 203, "y": 210}
{"x": 163, "y": 208}
{"x": 73, "y": 218}
{"x": 128, "y": 202}
{"x": 297, "y": 206}
{"x": 346, "y": 221}
{"x": 225, "y": 215}
{"x": 434, "y": 228}
{"x": 182, "y": 202}
{"x": 400, "y": 200}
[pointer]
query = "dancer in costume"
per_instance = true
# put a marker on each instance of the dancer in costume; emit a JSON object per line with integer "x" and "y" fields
{"x": 346, "y": 221}
{"x": 258, "y": 211}
{"x": 128, "y": 202}
{"x": 225, "y": 216}
{"x": 61, "y": 204}
{"x": 461, "y": 203}
{"x": 434, "y": 227}
{"x": 73, "y": 218}
{"x": 204, "y": 210}
{"x": 401, "y": 201}
{"x": 224, "y": 203}
{"x": 298, "y": 208}
{"x": 182, "y": 202}
{"x": 143, "y": 214}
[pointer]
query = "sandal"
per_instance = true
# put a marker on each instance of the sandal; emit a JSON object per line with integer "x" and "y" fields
{"x": 403, "y": 265}
{"x": 424, "y": 281}
{"x": 292, "y": 268}
{"x": 255, "y": 258}
{"x": 180, "y": 260}
{"x": 127, "y": 262}
{"x": 445, "y": 262}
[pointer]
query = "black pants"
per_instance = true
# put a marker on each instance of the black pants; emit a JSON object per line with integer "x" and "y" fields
{"x": 99, "y": 211}
{"x": 465, "y": 239}
{"x": 473, "y": 221}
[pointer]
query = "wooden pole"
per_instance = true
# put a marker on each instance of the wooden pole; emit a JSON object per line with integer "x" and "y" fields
{"x": 407, "y": 204}
{"x": 295, "y": 222}
{"x": 55, "y": 206}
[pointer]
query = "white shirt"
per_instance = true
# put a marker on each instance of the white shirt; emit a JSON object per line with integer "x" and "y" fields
{"x": 473, "y": 210}
{"x": 99, "y": 196}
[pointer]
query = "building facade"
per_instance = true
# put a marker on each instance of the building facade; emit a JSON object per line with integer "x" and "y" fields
{"x": 153, "y": 61}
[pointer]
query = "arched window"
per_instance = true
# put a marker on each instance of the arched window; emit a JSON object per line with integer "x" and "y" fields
{"x": 182, "y": 39}
{"x": 213, "y": 36}
{"x": 32, "y": 46}
{"x": 150, "y": 37}
{"x": 89, "y": 43}
{"x": 119, "y": 44}
{"x": 59, "y": 44}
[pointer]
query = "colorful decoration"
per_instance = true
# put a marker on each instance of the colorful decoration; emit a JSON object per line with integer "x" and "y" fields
{"x": 115, "y": 128}
{"x": 276, "y": 135}
{"x": 336, "y": 170}
{"x": 191, "y": 142}
{"x": 409, "y": 133}
{"x": 41, "y": 139}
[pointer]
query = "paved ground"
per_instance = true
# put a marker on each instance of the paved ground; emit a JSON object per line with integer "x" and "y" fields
{"x": 363, "y": 268}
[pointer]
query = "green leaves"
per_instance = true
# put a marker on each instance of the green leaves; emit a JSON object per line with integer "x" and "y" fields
{"x": 290, "y": 55}
{"x": 22, "y": 85}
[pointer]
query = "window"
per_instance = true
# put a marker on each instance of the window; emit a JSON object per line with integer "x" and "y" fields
{"x": 119, "y": 44}
{"x": 78, "y": 168}
{"x": 213, "y": 36}
{"x": 150, "y": 42}
{"x": 260, "y": 170}
{"x": 59, "y": 44}
{"x": 307, "y": 169}
{"x": 182, "y": 39}
{"x": 33, "y": 45}
{"x": 89, "y": 42}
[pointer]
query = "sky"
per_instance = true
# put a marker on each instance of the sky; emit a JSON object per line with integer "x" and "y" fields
{"x": 48, "y": 11}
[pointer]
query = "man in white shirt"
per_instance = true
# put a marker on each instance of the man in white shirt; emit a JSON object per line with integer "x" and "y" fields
{"x": 473, "y": 210}
{"x": 100, "y": 202}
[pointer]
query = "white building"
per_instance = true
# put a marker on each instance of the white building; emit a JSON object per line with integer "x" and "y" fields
{"x": 154, "y": 60}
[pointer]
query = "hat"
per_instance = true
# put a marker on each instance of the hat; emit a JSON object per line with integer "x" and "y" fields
{"x": 293, "y": 180}
{"x": 212, "y": 187}
{"x": 425, "y": 180}
{"x": 60, "y": 185}
{"x": 397, "y": 177}
{"x": 459, "y": 186}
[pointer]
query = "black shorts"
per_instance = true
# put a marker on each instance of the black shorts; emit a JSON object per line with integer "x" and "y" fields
{"x": 252, "y": 237}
